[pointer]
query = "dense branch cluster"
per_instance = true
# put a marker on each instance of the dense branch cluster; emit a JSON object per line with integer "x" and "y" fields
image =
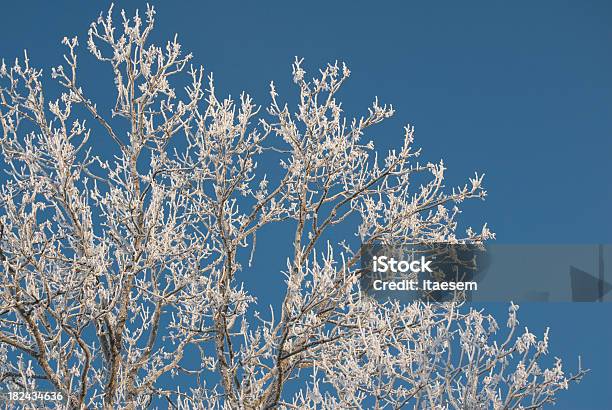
{"x": 124, "y": 243}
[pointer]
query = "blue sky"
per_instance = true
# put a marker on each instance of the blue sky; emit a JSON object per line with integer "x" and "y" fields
{"x": 519, "y": 90}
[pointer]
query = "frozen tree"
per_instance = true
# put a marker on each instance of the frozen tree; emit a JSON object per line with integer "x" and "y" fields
{"x": 124, "y": 243}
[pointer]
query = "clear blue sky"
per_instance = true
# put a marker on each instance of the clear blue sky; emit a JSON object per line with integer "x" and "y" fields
{"x": 519, "y": 90}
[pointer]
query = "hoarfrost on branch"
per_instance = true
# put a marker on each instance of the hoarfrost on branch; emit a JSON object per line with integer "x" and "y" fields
{"x": 125, "y": 235}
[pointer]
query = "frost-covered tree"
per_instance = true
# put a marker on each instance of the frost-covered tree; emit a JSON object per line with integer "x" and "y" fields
{"x": 124, "y": 242}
